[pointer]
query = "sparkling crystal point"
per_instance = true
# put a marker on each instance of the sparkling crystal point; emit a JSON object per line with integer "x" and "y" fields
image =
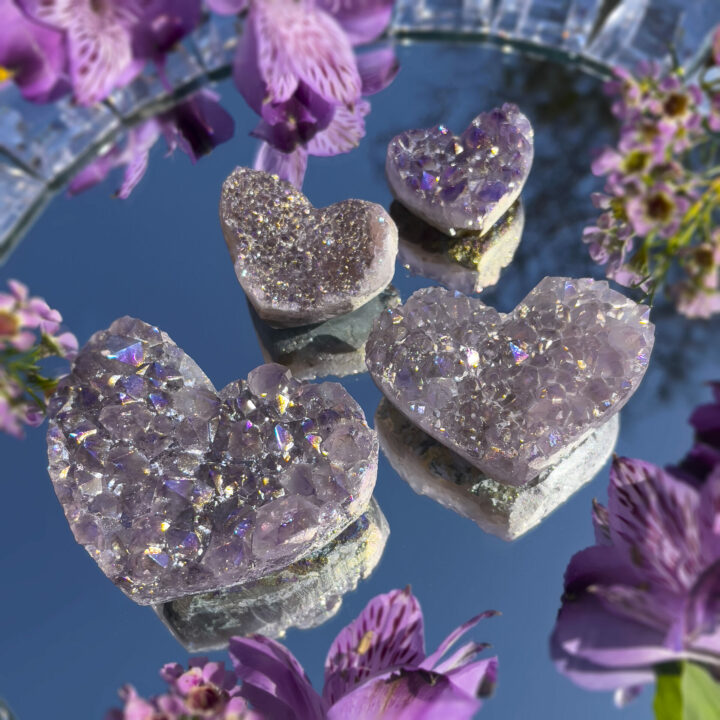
{"x": 299, "y": 265}
{"x": 174, "y": 488}
{"x": 512, "y": 393}
{"x": 466, "y": 191}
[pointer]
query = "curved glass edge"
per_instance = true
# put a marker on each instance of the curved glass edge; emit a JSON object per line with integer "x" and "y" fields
{"x": 43, "y": 146}
{"x": 601, "y": 33}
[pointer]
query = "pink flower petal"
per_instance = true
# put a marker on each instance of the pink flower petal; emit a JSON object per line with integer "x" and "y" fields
{"x": 287, "y": 166}
{"x": 377, "y": 69}
{"x": 432, "y": 660}
{"x": 23, "y": 341}
{"x": 99, "y": 42}
{"x": 344, "y": 132}
{"x": 362, "y": 20}
{"x": 18, "y": 289}
{"x": 387, "y": 635}
{"x": 227, "y": 7}
{"x": 407, "y": 695}
{"x": 273, "y": 680}
{"x": 140, "y": 141}
{"x": 654, "y": 521}
{"x": 297, "y": 42}
{"x": 586, "y": 630}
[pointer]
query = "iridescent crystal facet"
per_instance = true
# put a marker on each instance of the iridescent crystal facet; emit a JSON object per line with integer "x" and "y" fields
{"x": 462, "y": 183}
{"x": 174, "y": 488}
{"x": 512, "y": 393}
{"x": 300, "y": 265}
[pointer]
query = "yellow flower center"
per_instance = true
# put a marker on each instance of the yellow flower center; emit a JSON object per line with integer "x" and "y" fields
{"x": 6, "y": 74}
{"x": 9, "y": 324}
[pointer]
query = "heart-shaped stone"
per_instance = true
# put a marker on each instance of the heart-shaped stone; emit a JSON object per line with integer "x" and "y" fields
{"x": 512, "y": 394}
{"x": 176, "y": 489}
{"x": 462, "y": 183}
{"x": 299, "y": 265}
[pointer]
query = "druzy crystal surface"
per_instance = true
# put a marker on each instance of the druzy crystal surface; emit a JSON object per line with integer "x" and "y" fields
{"x": 303, "y": 595}
{"x": 512, "y": 393}
{"x": 300, "y": 265}
{"x": 174, "y": 488}
{"x": 462, "y": 183}
{"x": 434, "y": 470}
{"x": 468, "y": 263}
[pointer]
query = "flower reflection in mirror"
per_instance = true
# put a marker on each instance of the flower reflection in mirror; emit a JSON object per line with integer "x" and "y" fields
{"x": 376, "y": 667}
{"x": 646, "y": 594}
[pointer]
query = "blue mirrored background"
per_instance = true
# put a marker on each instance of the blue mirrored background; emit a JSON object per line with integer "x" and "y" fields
{"x": 70, "y": 639}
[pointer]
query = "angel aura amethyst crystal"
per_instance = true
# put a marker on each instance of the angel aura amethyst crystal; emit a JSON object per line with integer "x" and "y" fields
{"x": 174, "y": 488}
{"x": 300, "y": 265}
{"x": 512, "y": 394}
{"x": 463, "y": 183}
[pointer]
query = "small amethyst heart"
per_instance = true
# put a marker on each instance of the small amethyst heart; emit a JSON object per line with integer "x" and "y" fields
{"x": 466, "y": 183}
{"x": 174, "y": 488}
{"x": 512, "y": 394}
{"x": 300, "y": 265}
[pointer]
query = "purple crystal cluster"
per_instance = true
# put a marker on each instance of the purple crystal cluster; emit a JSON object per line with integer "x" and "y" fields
{"x": 300, "y": 265}
{"x": 512, "y": 394}
{"x": 465, "y": 183}
{"x": 174, "y": 488}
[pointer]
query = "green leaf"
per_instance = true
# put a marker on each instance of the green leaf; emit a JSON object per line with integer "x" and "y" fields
{"x": 686, "y": 691}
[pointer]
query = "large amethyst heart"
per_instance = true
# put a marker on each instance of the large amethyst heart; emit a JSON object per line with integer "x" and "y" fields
{"x": 174, "y": 488}
{"x": 462, "y": 183}
{"x": 515, "y": 393}
{"x": 300, "y": 265}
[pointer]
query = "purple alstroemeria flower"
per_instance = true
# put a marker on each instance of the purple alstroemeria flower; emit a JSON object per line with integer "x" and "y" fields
{"x": 648, "y": 592}
{"x": 196, "y": 126}
{"x": 295, "y": 64}
{"x": 109, "y": 41}
{"x": 32, "y": 55}
{"x": 342, "y": 135}
{"x": 375, "y": 668}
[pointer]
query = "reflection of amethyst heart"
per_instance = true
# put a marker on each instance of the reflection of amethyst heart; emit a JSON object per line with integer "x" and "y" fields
{"x": 175, "y": 489}
{"x": 298, "y": 264}
{"x": 512, "y": 393}
{"x": 466, "y": 183}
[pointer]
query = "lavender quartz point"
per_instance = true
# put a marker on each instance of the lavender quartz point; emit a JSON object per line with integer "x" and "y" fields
{"x": 512, "y": 394}
{"x": 303, "y": 595}
{"x": 334, "y": 347}
{"x": 464, "y": 183}
{"x": 300, "y": 265}
{"x": 434, "y": 470}
{"x": 468, "y": 263}
{"x": 174, "y": 488}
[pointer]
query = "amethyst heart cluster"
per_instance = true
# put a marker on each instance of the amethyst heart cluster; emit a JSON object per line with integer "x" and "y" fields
{"x": 175, "y": 488}
{"x": 512, "y": 394}
{"x": 463, "y": 184}
{"x": 299, "y": 264}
